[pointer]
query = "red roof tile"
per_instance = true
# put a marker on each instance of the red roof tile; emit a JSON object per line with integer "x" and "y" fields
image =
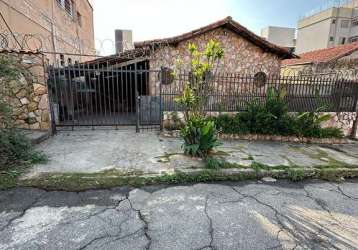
{"x": 323, "y": 55}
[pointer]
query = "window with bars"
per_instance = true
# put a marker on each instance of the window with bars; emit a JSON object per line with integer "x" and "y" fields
{"x": 345, "y": 24}
{"x": 353, "y": 39}
{"x": 66, "y": 5}
{"x": 355, "y": 21}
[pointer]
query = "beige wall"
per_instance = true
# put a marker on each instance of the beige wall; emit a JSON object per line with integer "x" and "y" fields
{"x": 281, "y": 36}
{"x": 314, "y": 32}
{"x": 53, "y": 29}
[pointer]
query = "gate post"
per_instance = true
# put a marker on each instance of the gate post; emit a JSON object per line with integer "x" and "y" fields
{"x": 161, "y": 113}
{"x": 137, "y": 97}
{"x": 355, "y": 122}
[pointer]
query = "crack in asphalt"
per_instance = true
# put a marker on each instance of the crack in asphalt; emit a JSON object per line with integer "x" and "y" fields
{"x": 310, "y": 239}
{"x": 117, "y": 237}
{"x": 322, "y": 204}
{"x": 276, "y": 212}
{"x": 114, "y": 238}
{"x": 300, "y": 238}
{"x": 211, "y": 228}
{"x": 146, "y": 224}
{"x": 23, "y": 212}
{"x": 344, "y": 194}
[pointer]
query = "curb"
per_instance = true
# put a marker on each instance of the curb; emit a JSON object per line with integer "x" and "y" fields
{"x": 83, "y": 183}
{"x": 272, "y": 138}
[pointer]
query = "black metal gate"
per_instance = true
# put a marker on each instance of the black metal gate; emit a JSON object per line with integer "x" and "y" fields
{"x": 84, "y": 95}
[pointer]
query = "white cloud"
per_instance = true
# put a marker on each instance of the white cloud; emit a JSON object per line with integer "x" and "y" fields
{"x": 151, "y": 19}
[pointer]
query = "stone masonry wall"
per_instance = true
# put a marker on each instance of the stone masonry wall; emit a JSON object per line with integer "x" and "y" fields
{"x": 342, "y": 120}
{"x": 241, "y": 56}
{"x": 28, "y": 94}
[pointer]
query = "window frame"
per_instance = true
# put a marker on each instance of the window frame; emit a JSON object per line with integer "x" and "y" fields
{"x": 67, "y": 5}
{"x": 354, "y": 22}
{"x": 345, "y": 24}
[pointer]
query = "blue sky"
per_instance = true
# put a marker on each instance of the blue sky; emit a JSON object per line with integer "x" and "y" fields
{"x": 256, "y": 14}
{"x": 151, "y": 19}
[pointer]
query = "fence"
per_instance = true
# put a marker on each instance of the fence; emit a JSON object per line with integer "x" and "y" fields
{"x": 232, "y": 92}
{"x": 86, "y": 95}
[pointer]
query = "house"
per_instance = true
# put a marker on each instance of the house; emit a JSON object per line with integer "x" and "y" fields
{"x": 245, "y": 52}
{"x": 61, "y": 27}
{"x": 340, "y": 58}
{"x": 111, "y": 86}
{"x": 330, "y": 27}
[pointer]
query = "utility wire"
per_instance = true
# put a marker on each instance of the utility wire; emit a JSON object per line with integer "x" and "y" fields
{"x": 12, "y": 33}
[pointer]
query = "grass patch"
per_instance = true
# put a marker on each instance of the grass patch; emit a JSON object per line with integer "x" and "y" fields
{"x": 81, "y": 182}
{"x": 296, "y": 174}
{"x": 8, "y": 179}
{"x": 113, "y": 178}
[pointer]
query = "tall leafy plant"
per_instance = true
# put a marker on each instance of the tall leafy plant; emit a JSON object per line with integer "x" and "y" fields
{"x": 199, "y": 135}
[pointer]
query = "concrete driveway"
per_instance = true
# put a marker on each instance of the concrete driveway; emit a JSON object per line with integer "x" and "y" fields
{"x": 250, "y": 215}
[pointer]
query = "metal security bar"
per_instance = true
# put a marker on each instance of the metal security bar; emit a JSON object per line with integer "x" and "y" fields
{"x": 232, "y": 92}
{"x": 93, "y": 95}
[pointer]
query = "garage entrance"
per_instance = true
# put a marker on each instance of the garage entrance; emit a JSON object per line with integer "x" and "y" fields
{"x": 93, "y": 95}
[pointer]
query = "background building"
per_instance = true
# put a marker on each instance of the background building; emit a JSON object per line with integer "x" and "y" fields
{"x": 336, "y": 25}
{"x": 342, "y": 58}
{"x": 61, "y": 26}
{"x": 282, "y": 36}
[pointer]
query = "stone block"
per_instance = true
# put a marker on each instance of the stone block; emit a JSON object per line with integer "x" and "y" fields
{"x": 22, "y": 116}
{"x": 22, "y": 93}
{"x": 24, "y": 101}
{"x": 32, "y": 106}
{"x": 35, "y": 126}
{"x": 39, "y": 89}
{"x": 45, "y": 117}
{"x": 45, "y": 125}
{"x": 43, "y": 104}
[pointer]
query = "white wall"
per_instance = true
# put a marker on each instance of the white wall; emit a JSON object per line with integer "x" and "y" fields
{"x": 313, "y": 37}
{"x": 281, "y": 36}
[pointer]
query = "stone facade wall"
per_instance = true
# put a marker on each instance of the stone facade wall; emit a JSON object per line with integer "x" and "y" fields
{"x": 241, "y": 56}
{"x": 342, "y": 120}
{"x": 28, "y": 94}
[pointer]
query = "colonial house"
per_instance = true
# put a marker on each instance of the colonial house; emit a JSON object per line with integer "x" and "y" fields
{"x": 343, "y": 58}
{"x": 113, "y": 84}
{"x": 245, "y": 52}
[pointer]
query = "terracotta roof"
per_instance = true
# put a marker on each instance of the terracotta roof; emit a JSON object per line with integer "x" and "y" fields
{"x": 323, "y": 55}
{"x": 230, "y": 24}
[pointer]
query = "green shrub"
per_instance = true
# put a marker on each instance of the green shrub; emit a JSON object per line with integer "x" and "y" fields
{"x": 271, "y": 117}
{"x": 16, "y": 150}
{"x": 200, "y": 137}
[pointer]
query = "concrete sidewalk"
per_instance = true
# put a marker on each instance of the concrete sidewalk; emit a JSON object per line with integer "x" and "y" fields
{"x": 147, "y": 153}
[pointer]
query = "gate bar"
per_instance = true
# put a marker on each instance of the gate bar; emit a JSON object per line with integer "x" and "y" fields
{"x": 137, "y": 97}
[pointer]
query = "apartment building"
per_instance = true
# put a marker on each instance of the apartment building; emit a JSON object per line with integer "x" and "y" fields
{"x": 328, "y": 28}
{"x": 61, "y": 26}
{"x": 281, "y": 36}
